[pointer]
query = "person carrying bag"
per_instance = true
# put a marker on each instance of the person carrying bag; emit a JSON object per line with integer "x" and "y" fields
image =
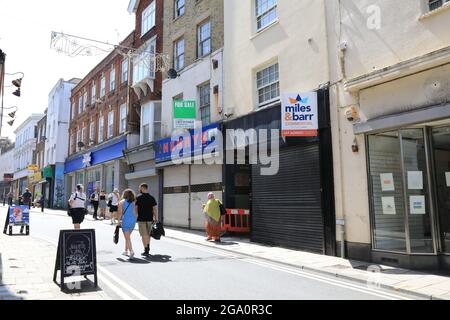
{"x": 77, "y": 203}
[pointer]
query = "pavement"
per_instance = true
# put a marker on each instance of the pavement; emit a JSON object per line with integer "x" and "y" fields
{"x": 274, "y": 272}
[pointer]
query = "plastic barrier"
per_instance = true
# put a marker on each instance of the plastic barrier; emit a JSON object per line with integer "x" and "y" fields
{"x": 237, "y": 220}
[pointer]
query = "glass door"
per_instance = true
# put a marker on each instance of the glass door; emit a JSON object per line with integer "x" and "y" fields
{"x": 441, "y": 153}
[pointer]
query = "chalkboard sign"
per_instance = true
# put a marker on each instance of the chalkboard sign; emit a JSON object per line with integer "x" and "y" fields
{"x": 76, "y": 255}
{"x": 17, "y": 216}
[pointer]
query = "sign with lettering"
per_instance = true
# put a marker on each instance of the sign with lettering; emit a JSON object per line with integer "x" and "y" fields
{"x": 299, "y": 115}
{"x": 17, "y": 216}
{"x": 76, "y": 254}
{"x": 196, "y": 144}
{"x": 184, "y": 114}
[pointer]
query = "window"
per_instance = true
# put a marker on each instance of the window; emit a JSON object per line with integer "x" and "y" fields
{"x": 73, "y": 110}
{"x": 92, "y": 132}
{"x": 78, "y": 140}
{"x": 204, "y": 39}
{"x": 144, "y": 65}
{"x": 85, "y": 98}
{"x": 150, "y": 122}
{"x": 148, "y": 18}
{"x": 123, "y": 118}
{"x": 101, "y": 126}
{"x": 179, "y": 54}
{"x": 266, "y": 12}
{"x": 94, "y": 92}
{"x": 179, "y": 8}
{"x": 124, "y": 77}
{"x": 112, "y": 79}
{"x": 205, "y": 104}
{"x": 268, "y": 85}
{"x": 80, "y": 104}
{"x": 83, "y": 135}
{"x": 435, "y": 4}
{"x": 72, "y": 143}
{"x": 110, "y": 129}
{"x": 102, "y": 86}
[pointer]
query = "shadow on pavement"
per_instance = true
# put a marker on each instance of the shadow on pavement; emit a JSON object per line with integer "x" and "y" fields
{"x": 133, "y": 261}
{"x": 85, "y": 286}
{"x": 226, "y": 243}
{"x": 5, "y": 293}
{"x": 159, "y": 258}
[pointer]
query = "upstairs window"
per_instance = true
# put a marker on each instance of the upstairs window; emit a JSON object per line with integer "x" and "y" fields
{"x": 179, "y": 54}
{"x": 80, "y": 104}
{"x": 144, "y": 64}
{"x": 94, "y": 92}
{"x": 266, "y": 13}
{"x": 180, "y": 8}
{"x": 123, "y": 118}
{"x": 205, "y": 104}
{"x": 124, "y": 77}
{"x": 102, "y": 86}
{"x": 150, "y": 122}
{"x": 101, "y": 128}
{"x": 435, "y": 4}
{"x": 85, "y": 98}
{"x": 204, "y": 39}
{"x": 110, "y": 133}
{"x": 268, "y": 85}
{"x": 148, "y": 18}
{"x": 92, "y": 133}
{"x": 112, "y": 79}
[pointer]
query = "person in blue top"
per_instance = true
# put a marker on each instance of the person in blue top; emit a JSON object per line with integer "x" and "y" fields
{"x": 127, "y": 219}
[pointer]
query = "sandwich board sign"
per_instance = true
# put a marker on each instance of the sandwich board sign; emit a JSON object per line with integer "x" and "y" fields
{"x": 17, "y": 216}
{"x": 76, "y": 255}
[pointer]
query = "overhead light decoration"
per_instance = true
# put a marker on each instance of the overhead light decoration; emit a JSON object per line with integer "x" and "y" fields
{"x": 11, "y": 122}
{"x": 17, "y": 92}
{"x": 12, "y": 114}
{"x": 17, "y": 83}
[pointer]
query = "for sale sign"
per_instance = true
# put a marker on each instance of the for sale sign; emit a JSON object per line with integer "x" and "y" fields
{"x": 184, "y": 114}
{"x": 299, "y": 115}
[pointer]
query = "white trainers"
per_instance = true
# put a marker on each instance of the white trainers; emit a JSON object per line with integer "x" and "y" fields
{"x": 125, "y": 253}
{"x": 131, "y": 255}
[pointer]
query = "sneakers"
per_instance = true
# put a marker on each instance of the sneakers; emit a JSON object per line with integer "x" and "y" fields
{"x": 131, "y": 255}
{"x": 125, "y": 253}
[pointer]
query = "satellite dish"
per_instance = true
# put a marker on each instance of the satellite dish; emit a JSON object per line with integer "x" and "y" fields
{"x": 172, "y": 73}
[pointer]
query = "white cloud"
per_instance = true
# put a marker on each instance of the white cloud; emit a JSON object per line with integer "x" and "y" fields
{"x": 25, "y": 29}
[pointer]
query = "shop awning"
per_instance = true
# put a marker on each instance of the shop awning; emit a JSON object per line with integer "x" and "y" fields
{"x": 141, "y": 174}
{"x": 403, "y": 119}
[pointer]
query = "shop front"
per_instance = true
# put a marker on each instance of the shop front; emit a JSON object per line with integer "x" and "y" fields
{"x": 103, "y": 168}
{"x": 185, "y": 187}
{"x": 292, "y": 207}
{"x": 409, "y": 192}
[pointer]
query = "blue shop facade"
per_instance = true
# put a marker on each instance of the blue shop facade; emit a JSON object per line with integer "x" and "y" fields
{"x": 103, "y": 167}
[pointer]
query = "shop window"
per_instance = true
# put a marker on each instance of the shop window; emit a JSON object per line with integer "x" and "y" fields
{"x": 109, "y": 179}
{"x": 399, "y": 192}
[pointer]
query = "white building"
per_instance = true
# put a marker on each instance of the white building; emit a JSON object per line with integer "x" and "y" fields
{"x": 57, "y": 139}
{"x": 6, "y": 168}
{"x": 24, "y": 152}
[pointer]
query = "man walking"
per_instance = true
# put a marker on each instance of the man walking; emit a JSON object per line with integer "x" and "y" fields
{"x": 26, "y": 198}
{"x": 10, "y": 198}
{"x": 147, "y": 212}
{"x": 95, "y": 198}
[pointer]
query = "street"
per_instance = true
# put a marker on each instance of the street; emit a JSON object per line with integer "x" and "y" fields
{"x": 180, "y": 270}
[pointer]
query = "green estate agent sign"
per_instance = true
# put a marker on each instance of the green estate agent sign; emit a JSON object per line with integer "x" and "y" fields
{"x": 184, "y": 114}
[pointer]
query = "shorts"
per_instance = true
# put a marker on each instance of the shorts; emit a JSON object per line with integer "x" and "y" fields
{"x": 144, "y": 228}
{"x": 113, "y": 209}
{"x": 77, "y": 215}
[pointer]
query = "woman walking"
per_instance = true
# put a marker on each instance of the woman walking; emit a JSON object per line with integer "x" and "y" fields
{"x": 77, "y": 203}
{"x": 213, "y": 224}
{"x": 102, "y": 204}
{"x": 114, "y": 197}
{"x": 127, "y": 219}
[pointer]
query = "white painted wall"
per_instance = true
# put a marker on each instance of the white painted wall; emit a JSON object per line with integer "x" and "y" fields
{"x": 297, "y": 41}
{"x": 187, "y": 84}
{"x": 58, "y": 116}
{"x": 7, "y": 162}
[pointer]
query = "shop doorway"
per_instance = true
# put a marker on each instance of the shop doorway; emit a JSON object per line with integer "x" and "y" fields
{"x": 441, "y": 153}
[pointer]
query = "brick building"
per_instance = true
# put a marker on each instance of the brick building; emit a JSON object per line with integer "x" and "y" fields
{"x": 146, "y": 83}
{"x": 102, "y": 125}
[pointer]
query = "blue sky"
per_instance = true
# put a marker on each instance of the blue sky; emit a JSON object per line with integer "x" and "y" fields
{"x": 25, "y": 29}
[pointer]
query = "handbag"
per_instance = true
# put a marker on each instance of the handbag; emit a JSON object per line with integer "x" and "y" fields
{"x": 223, "y": 211}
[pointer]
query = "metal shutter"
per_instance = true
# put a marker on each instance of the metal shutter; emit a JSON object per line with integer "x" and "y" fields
{"x": 286, "y": 208}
